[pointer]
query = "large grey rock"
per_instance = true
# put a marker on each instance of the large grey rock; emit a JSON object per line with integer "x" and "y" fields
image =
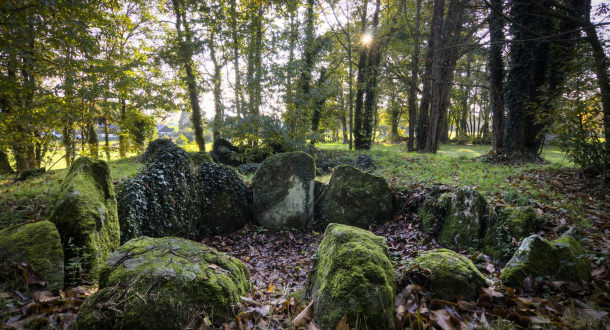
{"x": 562, "y": 258}
{"x": 352, "y": 275}
{"x": 357, "y": 198}
{"x": 283, "y": 190}
{"x": 86, "y": 216}
{"x": 459, "y": 218}
{"x": 164, "y": 283}
{"x": 36, "y": 244}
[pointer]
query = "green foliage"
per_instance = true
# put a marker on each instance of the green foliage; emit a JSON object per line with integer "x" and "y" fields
{"x": 579, "y": 123}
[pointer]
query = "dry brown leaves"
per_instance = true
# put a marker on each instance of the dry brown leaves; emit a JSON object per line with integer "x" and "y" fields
{"x": 35, "y": 307}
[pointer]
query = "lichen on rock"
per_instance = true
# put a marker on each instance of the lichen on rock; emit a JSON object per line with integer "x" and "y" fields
{"x": 357, "y": 198}
{"x": 37, "y": 244}
{"x": 352, "y": 275}
{"x": 164, "y": 283}
{"x": 562, "y": 258}
{"x": 445, "y": 273}
{"x": 459, "y": 218}
{"x": 283, "y": 189}
{"x": 223, "y": 200}
{"x": 86, "y": 216}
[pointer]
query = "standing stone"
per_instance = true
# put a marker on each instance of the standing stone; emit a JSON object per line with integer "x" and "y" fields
{"x": 352, "y": 276}
{"x": 284, "y": 191}
{"x": 222, "y": 198}
{"x": 36, "y": 244}
{"x": 357, "y": 198}
{"x": 459, "y": 218}
{"x": 5, "y": 166}
{"x": 86, "y": 216}
{"x": 562, "y": 258}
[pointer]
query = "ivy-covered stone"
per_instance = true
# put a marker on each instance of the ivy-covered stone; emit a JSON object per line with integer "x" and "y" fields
{"x": 223, "y": 200}
{"x": 459, "y": 218}
{"x": 223, "y": 151}
{"x": 497, "y": 242}
{"x": 446, "y": 274}
{"x": 249, "y": 168}
{"x": 160, "y": 200}
{"x": 357, "y": 198}
{"x": 352, "y": 275}
{"x": 283, "y": 190}
{"x": 86, "y": 216}
{"x": 364, "y": 162}
{"x": 562, "y": 258}
{"x": 37, "y": 244}
{"x": 164, "y": 283}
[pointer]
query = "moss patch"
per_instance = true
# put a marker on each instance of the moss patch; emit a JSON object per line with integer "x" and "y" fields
{"x": 86, "y": 216}
{"x": 283, "y": 190}
{"x": 164, "y": 283}
{"x": 37, "y": 244}
{"x": 357, "y": 198}
{"x": 563, "y": 258}
{"x": 521, "y": 221}
{"x": 447, "y": 274}
{"x": 352, "y": 276}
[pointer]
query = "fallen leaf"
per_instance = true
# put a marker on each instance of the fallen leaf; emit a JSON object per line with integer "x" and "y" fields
{"x": 304, "y": 317}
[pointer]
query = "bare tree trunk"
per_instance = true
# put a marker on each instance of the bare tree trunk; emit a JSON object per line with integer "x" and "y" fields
{"x": 235, "y": 45}
{"x": 496, "y": 77}
{"x": 413, "y": 81}
{"x": 123, "y": 133}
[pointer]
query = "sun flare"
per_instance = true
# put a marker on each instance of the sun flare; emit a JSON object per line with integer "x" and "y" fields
{"x": 367, "y": 38}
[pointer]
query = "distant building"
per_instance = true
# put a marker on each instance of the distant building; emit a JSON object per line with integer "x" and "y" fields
{"x": 163, "y": 130}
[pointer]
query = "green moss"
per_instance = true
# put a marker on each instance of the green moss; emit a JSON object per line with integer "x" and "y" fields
{"x": 466, "y": 220}
{"x": 283, "y": 189}
{"x": 433, "y": 211}
{"x": 352, "y": 275}
{"x": 198, "y": 158}
{"x": 521, "y": 221}
{"x": 164, "y": 283}
{"x": 537, "y": 257}
{"x": 37, "y": 244}
{"x": 357, "y": 198}
{"x": 86, "y": 214}
{"x": 447, "y": 274}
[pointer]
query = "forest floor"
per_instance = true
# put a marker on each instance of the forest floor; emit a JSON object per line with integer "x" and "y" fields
{"x": 279, "y": 262}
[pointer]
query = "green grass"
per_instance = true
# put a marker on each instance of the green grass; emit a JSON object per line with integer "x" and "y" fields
{"x": 453, "y": 165}
{"x": 33, "y": 199}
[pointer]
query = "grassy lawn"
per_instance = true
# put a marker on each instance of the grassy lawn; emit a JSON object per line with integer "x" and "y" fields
{"x": 453, "y": 165}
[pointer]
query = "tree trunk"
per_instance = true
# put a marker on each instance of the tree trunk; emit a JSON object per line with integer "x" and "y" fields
{"x": 186, "y": 57}
{"x": 106, "y": 139}
{"x": 424, "y": 105}
{"x": 526, "y": 75}
{"x": 235, "y": 45}
{"x": 372, "y": 71}
{"x": 93, "y": 141}
{"x": 217, "y": 89}
{"x": 5, "y": 166}
{"x": 446, "y": 35}
{"x": 496, "y": 74}
{"x": 360, "y": 86}
{"x": 413, "y": 81}
{"x": 123, "y": 133}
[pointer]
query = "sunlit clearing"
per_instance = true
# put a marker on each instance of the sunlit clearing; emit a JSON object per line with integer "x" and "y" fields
{"x": 367, "y": 38}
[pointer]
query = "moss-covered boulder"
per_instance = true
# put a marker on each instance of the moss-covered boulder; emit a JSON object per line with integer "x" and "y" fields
{"x": 357, "y": 198}
{"x": 459, "y": 218}
{"x": 445, "y": 273}
{"x": 37, "y": 244}
{"x": 283, "y": 190}
{"x": 224, "y": 204}
{"x": 164, "y": 283}
{"x": 562, "y": 258}
{"x": 352, "y": 275}
{"x": 160, "y": 201}
{"x": 86, "y": 216}
{"x": 521, "y": 221}
{"x": 199, "y": 158}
